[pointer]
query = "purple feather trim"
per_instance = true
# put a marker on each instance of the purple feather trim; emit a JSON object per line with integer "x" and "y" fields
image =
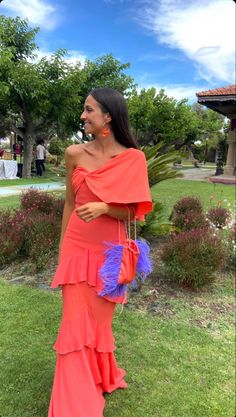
{"x": 110, "y": 270}
{"x": 144, "y": 265}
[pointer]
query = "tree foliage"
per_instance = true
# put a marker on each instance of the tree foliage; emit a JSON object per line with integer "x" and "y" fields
{"x": 17, "y": 38}
{"x": 156, "y": 117}
{"x": 43, "y": 99}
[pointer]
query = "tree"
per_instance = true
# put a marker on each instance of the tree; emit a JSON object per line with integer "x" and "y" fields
{"x": 207, "y": 132}
{"x": 56, "y": 148}
{"x": 106, "y": 71}
{"x": 141, "y": 108}
{"x": 44, "y": 99}
{"x": 156, "y": 117}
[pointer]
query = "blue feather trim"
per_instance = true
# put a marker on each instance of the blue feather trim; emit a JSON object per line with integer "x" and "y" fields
{"x": 144, "y": 265}
{"x": 110, "y": 270}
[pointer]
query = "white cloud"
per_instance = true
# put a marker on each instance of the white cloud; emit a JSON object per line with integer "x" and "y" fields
{"x": 203, "y": 30}
{"x": 36, "y": 11}
{"x": 177, "y": 91}
{"x": 155, "y": 56}
{"x": 72, "y": 57}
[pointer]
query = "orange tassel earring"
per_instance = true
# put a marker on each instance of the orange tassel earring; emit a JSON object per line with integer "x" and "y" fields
{"x": 105, "y": 132}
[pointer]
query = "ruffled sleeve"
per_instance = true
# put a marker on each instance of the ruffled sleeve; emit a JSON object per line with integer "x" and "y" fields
{"x": 124, "y": 181}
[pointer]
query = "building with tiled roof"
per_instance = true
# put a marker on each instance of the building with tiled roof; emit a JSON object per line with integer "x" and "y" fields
{"x": 223, "y": 100}
{"x": 222, "y": 91}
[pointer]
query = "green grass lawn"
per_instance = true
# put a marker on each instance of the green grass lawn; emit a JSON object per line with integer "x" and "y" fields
{"x": 27, "y": 181}
{"x": 168, "y": 192}
{"x": 50, "y": 175}
{"x": 13, "y": 201}
{"x": 179, "y": 361}
{"x": 175, "y": 367}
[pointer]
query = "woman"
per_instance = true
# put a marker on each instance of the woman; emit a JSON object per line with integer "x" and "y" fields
{"x": 105, "y": 178}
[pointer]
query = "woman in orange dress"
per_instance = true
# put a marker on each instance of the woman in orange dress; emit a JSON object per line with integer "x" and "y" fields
{"x": 104, "y": 177}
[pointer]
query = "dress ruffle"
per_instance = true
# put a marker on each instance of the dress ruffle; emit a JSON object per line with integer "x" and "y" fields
{"x": 80, "y": 379}
{"x": 96, "y": 340}
{"x": 105, "y": 370}
{"x": 78, "y": 267}
{"x": 84, "y": 331}
{"x": 83, "y": 266}
{"x": 86, "y": 365}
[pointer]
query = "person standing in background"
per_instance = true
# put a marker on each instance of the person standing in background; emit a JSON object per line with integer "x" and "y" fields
{"x": 45, "y": 152}
{"x": 40, "y": 155}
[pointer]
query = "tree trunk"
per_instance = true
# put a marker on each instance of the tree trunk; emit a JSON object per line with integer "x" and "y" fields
{"x": 28, "y": 154}
{"x": 29, "y": 140}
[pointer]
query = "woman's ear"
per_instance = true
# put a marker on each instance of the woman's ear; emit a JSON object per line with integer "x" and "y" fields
{"x": 107, "y": 118}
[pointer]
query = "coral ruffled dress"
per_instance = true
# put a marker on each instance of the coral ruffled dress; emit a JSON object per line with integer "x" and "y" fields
{"x": 86, "y": 366}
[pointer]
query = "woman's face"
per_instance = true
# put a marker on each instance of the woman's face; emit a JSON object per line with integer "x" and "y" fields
{"x": 93, "y": 117}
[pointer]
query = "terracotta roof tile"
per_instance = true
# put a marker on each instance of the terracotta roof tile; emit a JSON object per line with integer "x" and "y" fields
{"x": 222, "y": 91}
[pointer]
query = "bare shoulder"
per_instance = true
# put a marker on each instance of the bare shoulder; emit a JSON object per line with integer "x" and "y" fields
{"x": 72, "y": 155}
{"x": 74, "y": 150}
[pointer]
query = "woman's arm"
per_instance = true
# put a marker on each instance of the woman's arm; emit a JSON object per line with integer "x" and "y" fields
{"x": 91, "y": 211}
{"x": 121, "y": 212}
{"x": 69, "y": 201}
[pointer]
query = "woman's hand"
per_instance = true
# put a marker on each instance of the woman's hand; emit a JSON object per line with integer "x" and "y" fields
{"x": 91, "y": 211}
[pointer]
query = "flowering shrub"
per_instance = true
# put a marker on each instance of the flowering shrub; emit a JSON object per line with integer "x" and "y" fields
{"x": 11, "y": 238}
{"x": 218, "y": 216}
{"x": 42, "y": 201}
{"x": 33, "y": 230}
{"x": 188, "y": 214}
{"x": 58, "y": 206}
{"x": 232, "y": 247}
{"x": 191, "y": 258}
{"x": 222, "y": 224}
{"x": 41, "y": 236}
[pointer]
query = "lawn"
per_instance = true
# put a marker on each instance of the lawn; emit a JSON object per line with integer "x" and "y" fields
{"x": 13, "y": 201}
{"x": 179, "y": 361}
{"x": 49, "y": 175}
{"x": 168, "y": 192}
{"x": 177, "y": 346}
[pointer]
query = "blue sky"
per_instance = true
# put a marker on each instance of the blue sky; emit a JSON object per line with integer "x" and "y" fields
{"x": 183, "y": 46}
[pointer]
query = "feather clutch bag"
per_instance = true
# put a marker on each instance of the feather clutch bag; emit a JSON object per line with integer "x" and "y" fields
{"x": 124, "y": 262}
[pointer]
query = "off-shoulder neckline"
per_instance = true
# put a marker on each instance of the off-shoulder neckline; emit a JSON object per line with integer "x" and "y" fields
{"x": 106, "y": 163}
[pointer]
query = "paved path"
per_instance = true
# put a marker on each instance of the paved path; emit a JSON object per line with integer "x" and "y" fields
{"x": 17, "y": 189}
{"x": 197, "y": 174}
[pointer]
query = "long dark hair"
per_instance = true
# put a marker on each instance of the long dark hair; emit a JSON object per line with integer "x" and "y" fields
{"x": 112, "y": 102}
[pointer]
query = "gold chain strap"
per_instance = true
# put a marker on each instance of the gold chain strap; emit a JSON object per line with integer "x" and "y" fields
{"x": 128, "y": 226}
